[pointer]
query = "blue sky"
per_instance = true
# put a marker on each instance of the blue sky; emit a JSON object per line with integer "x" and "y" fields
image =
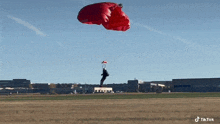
{"x": 43, "y": 41}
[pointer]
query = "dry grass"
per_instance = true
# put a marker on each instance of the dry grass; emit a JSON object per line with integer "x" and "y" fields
{"x": 109, "y": 111}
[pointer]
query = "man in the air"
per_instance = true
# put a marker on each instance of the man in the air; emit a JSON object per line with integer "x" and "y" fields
{"x": 104, "y": 75}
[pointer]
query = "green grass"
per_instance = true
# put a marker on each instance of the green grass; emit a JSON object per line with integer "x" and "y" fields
{"x": 106, "y": 96}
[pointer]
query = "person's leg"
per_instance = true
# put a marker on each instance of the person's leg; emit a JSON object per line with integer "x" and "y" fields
{"x": 102, "y": 80}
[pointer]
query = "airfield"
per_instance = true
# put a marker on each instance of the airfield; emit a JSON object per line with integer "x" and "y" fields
{"x": 122, "y": 108}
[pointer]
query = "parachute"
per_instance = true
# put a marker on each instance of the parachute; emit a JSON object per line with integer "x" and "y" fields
{"x": 108, "y": 14}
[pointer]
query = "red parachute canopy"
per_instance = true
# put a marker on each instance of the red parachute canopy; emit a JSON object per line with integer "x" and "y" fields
{"x": 104, "y": 62}
{"x": 108, "y": 14}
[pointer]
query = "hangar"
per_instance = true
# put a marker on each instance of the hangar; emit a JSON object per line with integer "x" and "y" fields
{"x": 196, "y": 85}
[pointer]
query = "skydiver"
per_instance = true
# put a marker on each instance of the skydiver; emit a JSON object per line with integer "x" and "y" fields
{"x": 104, "y": 75}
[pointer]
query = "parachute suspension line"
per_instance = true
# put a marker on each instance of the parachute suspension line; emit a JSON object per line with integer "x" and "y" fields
{"x": 104, "y": 64}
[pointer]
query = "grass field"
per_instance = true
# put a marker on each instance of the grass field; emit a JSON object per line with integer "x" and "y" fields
{"x": 130, "y": 108}
{"x": 106, "y": 96}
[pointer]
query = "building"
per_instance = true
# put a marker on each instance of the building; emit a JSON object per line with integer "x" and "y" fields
{"x": 122, "y": 87}
{"x": 196, "y": 85}
{"x": 5, "y": 83}
{"x": 103, "y": 90}
{"x": 153, "y": 86}
{"x": 21, "y": 83}
{"x": 85, "y": 88}
{"x": 133, "y": 85}
{"x": 42, "y": 88}
{"x": 145, "y": 87}
{"x": 15, "y": 83}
